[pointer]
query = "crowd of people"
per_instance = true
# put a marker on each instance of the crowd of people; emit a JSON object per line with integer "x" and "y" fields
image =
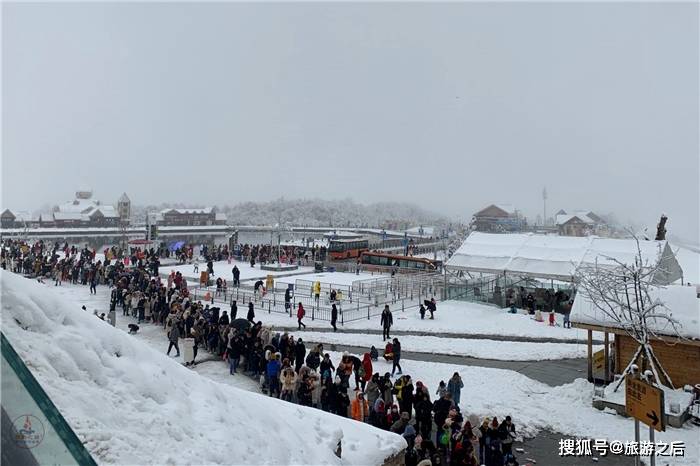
{"x": 249, "y": 253}
{"x": 435, "y": 428}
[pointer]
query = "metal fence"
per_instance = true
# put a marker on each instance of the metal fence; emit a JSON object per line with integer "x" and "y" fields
{"x": 348, "y": 310}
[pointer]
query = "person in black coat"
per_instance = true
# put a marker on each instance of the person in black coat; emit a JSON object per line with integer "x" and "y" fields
{"x": 236, "y": 275}
{"x": 251, "y": 313}
{"x": 406, "y": 402}
{"x": 342, "y": 400}
{"x": 288, "y": 300}
{"x": 441, "y": 408}
{"x": 234, "y": 310}
{"x": 507, "y": 434}
{"x": 299, "y": 353}
{"x": 386, "y": 321}
{"x": 223, "y": 320}
{"x": 334, "y": 317}
{"x": 397, "y": 357}
{"x": 326, "y": 365}
{"x": 424, "y": 420}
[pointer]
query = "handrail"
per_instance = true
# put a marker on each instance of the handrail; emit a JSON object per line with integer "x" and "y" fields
{"x": 48, "y": 408}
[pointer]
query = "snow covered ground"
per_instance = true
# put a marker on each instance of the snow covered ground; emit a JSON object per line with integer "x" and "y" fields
{"x": 483, "y": 349}
{"x": 223, "y": 269}
{"x": 689, "y": 261}
{"x": 333, "y": 278}
{"x": 130, "y": 404}
{"x": 453, "y": 317}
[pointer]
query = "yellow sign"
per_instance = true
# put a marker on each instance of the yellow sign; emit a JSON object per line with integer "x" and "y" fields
{"x": 599, "y": 361}
{"x": 645, "y": 403}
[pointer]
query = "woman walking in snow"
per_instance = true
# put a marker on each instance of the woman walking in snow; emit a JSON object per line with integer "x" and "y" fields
{"x": 300, "y": 315}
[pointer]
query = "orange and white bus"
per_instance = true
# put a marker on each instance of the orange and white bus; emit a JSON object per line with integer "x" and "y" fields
{"x": 340, "y": 249}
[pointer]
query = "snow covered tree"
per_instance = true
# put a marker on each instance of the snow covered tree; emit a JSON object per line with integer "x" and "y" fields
{"x": 625, "y": 294}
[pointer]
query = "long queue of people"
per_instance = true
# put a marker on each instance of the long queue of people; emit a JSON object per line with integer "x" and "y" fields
{"x": 436, "y": 431}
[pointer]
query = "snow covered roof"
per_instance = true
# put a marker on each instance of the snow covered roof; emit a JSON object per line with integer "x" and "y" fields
{"x": 204, "y": 210}
{"x": 507, "y": 208}
{"x": 68, "y": 216}
{"x": 681, "y": 303}
{"x": 585, "y": 216}
{"x": 107, "y": 211}
{"x": 124, "y": 198}
{"x": 556, "y": 257}
{"x": 221, "y": 216}
{"x": 564, "y": 218}
{"x": 22, "y": 215}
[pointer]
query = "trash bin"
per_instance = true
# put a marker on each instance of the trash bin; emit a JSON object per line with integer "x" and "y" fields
{"x": 318, "y": 266}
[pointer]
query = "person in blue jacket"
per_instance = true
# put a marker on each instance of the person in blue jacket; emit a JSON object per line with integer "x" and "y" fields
{"x": 273, "y": 370}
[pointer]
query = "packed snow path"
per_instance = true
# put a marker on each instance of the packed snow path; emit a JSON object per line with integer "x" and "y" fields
{"x": 553, "y": 373}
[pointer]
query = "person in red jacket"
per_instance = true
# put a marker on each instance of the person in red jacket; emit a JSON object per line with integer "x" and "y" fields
{"x": 367, "y": 369}
{"x": 300, "y": 315}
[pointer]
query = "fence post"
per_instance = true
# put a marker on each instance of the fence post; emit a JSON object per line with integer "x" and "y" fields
{"x": 402, "y": 305}
{"x": 367, "y": 312}
{"x": 313, "y": 312}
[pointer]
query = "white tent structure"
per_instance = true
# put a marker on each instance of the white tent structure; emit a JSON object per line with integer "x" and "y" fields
{"x": 556, "y": 257}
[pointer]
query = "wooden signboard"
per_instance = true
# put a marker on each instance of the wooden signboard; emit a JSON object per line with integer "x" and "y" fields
{"x": 599, "y": 361}
{"x": 645, "y": 403}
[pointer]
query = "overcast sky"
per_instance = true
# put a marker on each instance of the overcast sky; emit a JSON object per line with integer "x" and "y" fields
{"x": 451, "y": 106}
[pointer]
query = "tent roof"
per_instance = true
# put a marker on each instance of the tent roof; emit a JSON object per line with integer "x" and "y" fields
{"x": 556, "y": 257}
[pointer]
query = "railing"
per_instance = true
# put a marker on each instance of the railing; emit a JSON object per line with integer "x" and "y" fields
{"x": 36, "y": 430}
{"x": 348, "y": 311}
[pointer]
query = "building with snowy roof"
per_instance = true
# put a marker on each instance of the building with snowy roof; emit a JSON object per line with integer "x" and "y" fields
{"x": 84, "y": 211}
{"x": 678, "y": 349}
{"x": 19, "y": 219}
{"x": 498, "y": 218}
{"x": 552, "y": 257}
{"x": 580, "y": 223}
{"x": 191, "y": 217}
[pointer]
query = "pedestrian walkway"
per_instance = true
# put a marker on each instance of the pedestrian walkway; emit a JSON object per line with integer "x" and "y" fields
{"x": 468, "y": 336}
{"x": 552, "y": 373}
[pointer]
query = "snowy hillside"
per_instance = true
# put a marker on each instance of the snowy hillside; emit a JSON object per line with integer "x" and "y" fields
{"x": 130, "y": 404}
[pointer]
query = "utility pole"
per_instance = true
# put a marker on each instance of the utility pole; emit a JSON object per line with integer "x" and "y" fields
{"x": 544, "y": 207}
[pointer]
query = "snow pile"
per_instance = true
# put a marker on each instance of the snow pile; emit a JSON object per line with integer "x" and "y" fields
{"x": 679, "y": 302}
{"x": 130, "y": 404}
